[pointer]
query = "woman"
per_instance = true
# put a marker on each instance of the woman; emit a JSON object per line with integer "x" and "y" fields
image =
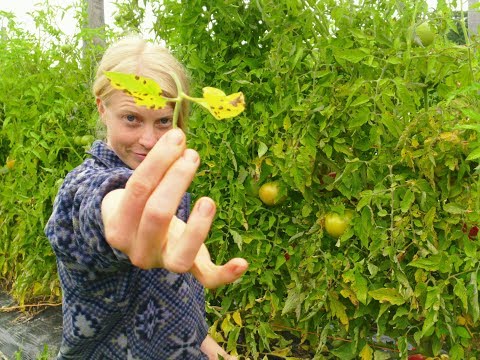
{"x": 131, "y": 266}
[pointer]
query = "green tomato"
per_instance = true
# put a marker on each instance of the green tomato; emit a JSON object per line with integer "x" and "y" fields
{"x": 336, "y": 224}
{"x": 271, "y": 193}
{"x": 77, "y": 140}
{"x": 425, "y": 33}
{"x": 87, "y": 139}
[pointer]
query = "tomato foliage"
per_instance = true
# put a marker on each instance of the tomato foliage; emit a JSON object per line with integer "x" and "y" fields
{"x": 335, "y": 86}
{"x": 45, "y": 106}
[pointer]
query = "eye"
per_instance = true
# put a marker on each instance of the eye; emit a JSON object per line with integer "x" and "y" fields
{"x": 164, "y": 122}
{"x": 130, "y": 118}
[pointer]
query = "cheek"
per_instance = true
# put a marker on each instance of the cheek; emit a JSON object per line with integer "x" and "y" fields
{"x": 120, "y": 136}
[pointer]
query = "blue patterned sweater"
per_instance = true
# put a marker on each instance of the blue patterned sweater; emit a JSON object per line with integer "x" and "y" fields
{"x": 112, "y": 309}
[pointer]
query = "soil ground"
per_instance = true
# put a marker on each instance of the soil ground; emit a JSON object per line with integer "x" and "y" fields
{"x": 28, "y": 334}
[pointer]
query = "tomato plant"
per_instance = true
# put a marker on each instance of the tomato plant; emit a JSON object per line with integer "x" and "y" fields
{"x": 344, "y": 91}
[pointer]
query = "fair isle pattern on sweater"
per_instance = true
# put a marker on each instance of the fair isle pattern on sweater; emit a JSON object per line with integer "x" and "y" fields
{"x": 112, "y": 309}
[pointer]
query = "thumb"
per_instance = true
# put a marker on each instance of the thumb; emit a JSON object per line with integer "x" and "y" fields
{"x": 212, "y": 276}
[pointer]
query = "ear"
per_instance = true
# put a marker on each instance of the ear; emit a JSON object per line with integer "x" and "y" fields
{"x": 101, "y": 108}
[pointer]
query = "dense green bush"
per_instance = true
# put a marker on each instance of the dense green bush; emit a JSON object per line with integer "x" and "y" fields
{"x": 45, "y": 102}
{"x": 348, "y": 111}
{"x": 338, "y": 88}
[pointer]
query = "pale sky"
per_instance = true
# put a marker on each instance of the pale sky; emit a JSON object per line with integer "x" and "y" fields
{"x": 21, "y": 8}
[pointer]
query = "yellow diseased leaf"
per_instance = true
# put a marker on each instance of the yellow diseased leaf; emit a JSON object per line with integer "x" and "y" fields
{"x": 366, "y": 353}
{"x": 391, "y": 296}
{"x": 337, "y": 309}
{"x": 237, "y": 318}
{"x": 10, "y": 164}
{"x": 283, "y": 353}
{"x": 222, "y": 106}
{"x": 217, "y": 336}
{"x": 348, "y": 293}
{"x": 226, "y": 325}
{"x": 145, "y": 91}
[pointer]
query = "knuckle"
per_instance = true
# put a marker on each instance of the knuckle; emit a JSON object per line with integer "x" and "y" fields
{"x": 141, "y": 261}
{"x": 138, "y": 188}
{"x": 157, "y": 214}
{"x": 116, "y": 237}
{"x": 177, "y": 265}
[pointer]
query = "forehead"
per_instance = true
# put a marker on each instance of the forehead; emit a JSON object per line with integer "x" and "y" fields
{"x": 121, "y": 101}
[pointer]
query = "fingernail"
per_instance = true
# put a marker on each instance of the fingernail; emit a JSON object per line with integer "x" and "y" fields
{"x": 191, "y": 155}
{"x": 174, "y": 136}
{"x": 239, "y": 270}
{"x": 205, "y": 208}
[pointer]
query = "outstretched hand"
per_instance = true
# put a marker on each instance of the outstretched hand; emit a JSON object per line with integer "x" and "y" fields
{"x": 140, "y": 219}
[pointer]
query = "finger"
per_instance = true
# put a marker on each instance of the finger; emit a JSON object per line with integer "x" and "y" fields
{"x": 147, "y": 175}
{"x": 163, "y": 205}
{"x": 165, "y": 199}
{"x": 180, "y": 252}
{"x": 212, "y": 276}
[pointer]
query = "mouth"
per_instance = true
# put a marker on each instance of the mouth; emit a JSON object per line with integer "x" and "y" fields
{"x": 140, "y": 156}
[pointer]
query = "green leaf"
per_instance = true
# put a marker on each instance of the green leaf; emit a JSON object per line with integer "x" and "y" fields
{"x": 345, "y": 351}
{"x": 472, "y": 292}
{"x": 292, "y": 302}
{"x": 361, "y": 288}
{"x": 475, "y": 154}
{"x": 262, "y": 149}
{"x": 407, "y": 201}
{"x": 462, "y": 332}
{"x": 457, "y": 352}
{"x": 237, "y": 238}
{"x": 430, "y": 264}
{"x": 387, "y": 295}
{"x": 337, "y": 309}
{"x": 280, "y": 261}
{"x": 429, "y": 322}
{"x": 461, "y": 292}
{"x": 362, "y": 99}
{"x": 453, "y": 208}
{"x": 366, "y": 198}
{"x": 351, "y": 55}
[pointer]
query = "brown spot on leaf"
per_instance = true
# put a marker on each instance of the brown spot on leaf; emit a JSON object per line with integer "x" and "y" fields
{"x": 137, "y": 77}
{"x": 237, "y": 100}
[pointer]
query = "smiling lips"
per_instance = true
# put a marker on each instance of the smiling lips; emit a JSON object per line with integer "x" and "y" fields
{"x": 140, "y": 156}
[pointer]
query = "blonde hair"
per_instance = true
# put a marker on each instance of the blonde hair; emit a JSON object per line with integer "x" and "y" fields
{"x": 134, "y": 55}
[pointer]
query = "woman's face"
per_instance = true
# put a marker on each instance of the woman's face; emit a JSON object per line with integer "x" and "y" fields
{"x": 133, "y": 130}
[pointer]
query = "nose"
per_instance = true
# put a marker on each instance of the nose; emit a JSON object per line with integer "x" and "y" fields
{"x": 148, "y": 137}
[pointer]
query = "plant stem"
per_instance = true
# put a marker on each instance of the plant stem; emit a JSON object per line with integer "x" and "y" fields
{"x": 178, "y": 100}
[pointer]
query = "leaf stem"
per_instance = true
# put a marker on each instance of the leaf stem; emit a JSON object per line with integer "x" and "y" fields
{"x": 177, "y": 100}
{"x": 193, "y": 99}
